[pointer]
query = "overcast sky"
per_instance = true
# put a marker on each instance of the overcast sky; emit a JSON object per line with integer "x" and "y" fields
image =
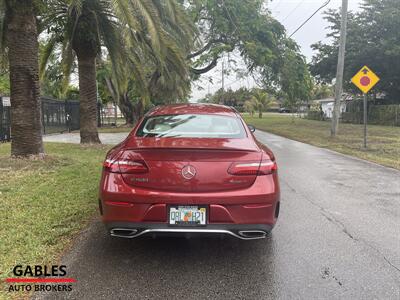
{"x": 291, "y": 13}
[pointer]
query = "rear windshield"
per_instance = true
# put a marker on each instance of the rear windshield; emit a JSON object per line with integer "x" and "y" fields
{"x": 191, "y": 126}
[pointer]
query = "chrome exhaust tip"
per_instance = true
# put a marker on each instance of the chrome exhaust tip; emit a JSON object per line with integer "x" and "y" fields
{"x": 130, "y": 233}
{"x": 123, "y": 232}
{"x": 252, "y": 234}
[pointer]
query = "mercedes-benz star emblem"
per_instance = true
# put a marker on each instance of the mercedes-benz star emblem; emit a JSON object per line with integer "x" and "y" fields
{"x": 188, "y": 172}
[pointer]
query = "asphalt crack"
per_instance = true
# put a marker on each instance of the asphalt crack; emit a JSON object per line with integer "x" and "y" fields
{"x": 326, "y": 274}
{"x": 328, "y": 216}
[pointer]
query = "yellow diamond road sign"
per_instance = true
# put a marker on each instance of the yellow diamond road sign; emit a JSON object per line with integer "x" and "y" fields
{"x": 365, "y": 79}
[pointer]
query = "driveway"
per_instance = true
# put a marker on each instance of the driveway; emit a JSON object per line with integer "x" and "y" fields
{"x": 338, "y": 237}
{"x": 74, "y": 138}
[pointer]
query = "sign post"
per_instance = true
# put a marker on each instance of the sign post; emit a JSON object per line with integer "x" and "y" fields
{"x": 365, "y": 120}
{"x": 365, "y": 80}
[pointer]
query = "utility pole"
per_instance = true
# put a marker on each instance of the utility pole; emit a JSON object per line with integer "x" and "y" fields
{"x": 223, "y": 75}
{"x": 340, "y": 69}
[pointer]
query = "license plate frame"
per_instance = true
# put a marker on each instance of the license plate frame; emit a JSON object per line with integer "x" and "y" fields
{"x": 178, "y": 222}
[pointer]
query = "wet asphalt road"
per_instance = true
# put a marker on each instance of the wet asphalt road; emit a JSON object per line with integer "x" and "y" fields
{"x": 338, "y": 237}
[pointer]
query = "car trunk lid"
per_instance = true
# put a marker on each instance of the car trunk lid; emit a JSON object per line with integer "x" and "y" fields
{"x": 190, "y": 165}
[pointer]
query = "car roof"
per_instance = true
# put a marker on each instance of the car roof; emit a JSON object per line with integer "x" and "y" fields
{"x": 202, "y": 108}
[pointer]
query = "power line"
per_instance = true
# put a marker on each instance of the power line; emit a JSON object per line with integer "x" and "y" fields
{"x": 305, "y": 22}
{"x": 293, "y": 10}
{"x": 223, "y": 75}
{"x": 229, "y": 15}
{"x": 279, "y": 2}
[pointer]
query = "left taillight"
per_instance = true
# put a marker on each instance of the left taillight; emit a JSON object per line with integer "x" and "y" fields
{"x": 265, "y": 167}
{"x": 124, "y": 166}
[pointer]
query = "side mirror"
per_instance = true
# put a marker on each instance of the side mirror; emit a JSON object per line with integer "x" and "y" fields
{"x": 252, "y": 128}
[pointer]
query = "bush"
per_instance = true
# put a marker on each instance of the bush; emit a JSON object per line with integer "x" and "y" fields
{"x": 315, "y": 115}
{"x": 384, "y": 115}
{"x": 377, "y": 114}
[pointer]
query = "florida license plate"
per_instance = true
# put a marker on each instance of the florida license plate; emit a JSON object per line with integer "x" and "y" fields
{"x": 187, "y": 215}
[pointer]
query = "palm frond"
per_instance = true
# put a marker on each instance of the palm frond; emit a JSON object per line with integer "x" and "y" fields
{"x": 140, "y": 37}
{"x": 123, "y": 13}
{"x": 67, "y": 63}
{"x": 74, "y": 6}
{"x": 45, "y": 54}
{"x": 151, "y": 19}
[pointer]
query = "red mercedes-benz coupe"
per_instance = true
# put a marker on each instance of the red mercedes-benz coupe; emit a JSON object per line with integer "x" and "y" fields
{"x": 190, "y": 169}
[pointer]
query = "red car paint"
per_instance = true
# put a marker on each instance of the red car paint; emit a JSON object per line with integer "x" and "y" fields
{"x": 235, "y": 201}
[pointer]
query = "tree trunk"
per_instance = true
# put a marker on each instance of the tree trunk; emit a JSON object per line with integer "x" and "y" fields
{"x": 139, "y": 109}
{"x": 88, "y": 99}
{"x": 26, "y": 122}
{"x": 127, "y": 109}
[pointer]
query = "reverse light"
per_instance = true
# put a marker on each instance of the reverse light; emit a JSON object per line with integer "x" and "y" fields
{"x": 265, "y": 167}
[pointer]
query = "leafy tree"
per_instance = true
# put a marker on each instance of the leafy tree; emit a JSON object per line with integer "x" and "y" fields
{"x": 244, "y": 99}
{"x": 234, "y": 25}
{"x": 4, "y": 68}
{"x": 19, "y": 39}
{"x": 231, "y": 98}
{"x": 128, "y": 30}
{"x": 5, "y": 84}
{"x": 373, "y": 40}
{"x": 163, "y": 83}
{"x": 121, "y": 91}
{"x": 249, "y": 106}
{"x": 321, "y": 91}
{"x": 289, "y": 78}
{"x": 262, "y": 101}
{"x": 51, "y": 81}
{"x": 248, "y": 28}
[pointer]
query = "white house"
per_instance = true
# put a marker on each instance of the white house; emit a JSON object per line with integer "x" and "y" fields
{"x": 327, "y": 106}
{"x": 111, "y": 110}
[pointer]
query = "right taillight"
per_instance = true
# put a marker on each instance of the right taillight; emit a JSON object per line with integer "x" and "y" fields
{"x": 257, "y": 168}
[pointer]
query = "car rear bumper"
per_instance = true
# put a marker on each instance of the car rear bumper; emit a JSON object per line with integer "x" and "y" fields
{"x": 240, "y": 231}
{"x": 258, "y": 204}
{"x": 133, "y": 212}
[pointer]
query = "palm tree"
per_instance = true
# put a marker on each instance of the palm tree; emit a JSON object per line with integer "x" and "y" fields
{"x": 129, "y": 30}
{"x": 262, "y": 101}
{"x": 119, "y": 89}
{"x": 249, "y": 107}
{"x": 18, "y": 39}
{"x": 167, "y": 81}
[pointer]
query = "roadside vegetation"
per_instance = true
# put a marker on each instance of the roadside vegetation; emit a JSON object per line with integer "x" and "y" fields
{"x": 45, "y": 203}
{"x": 383, "y": 141}
{"x": 136, "y": 54}
{"x": 115, "y": 129}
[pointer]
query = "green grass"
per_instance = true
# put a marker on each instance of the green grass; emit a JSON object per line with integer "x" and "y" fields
{"x": 122, "y": 128}
{"x": 115, "y": 129}
{"x": 45, "y": 203}
{"x": 383, "y": 141}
